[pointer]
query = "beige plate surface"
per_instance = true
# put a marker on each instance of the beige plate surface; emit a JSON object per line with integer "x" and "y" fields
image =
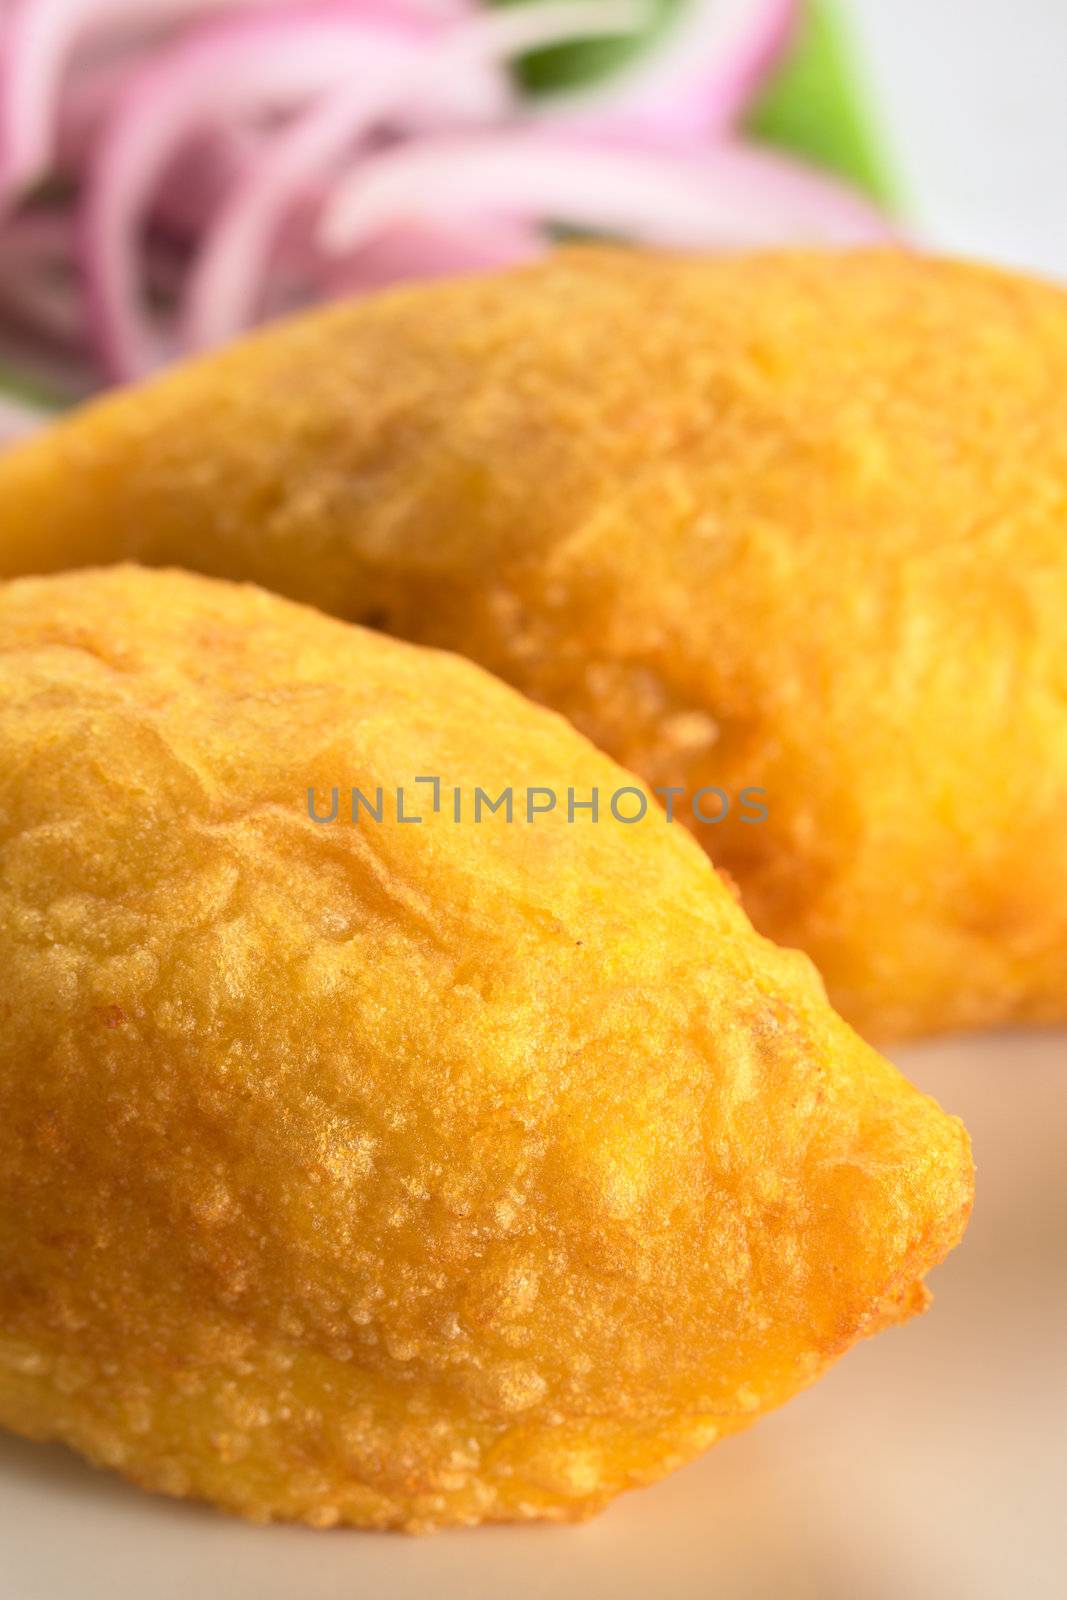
{"x": 932, "y": 1461}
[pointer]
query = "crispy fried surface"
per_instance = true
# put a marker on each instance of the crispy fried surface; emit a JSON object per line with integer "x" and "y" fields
{"x": 398, "y": 1175}
{"x": 792, "y": 522}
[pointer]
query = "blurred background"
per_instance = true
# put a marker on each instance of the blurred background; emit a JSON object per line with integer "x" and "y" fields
{"x": 173, "y": 171}
{"x": 968, "y": 99}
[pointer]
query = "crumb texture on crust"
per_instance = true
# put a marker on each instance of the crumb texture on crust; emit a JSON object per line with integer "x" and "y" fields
{"x": 788, "y": 521}
{"x": 395, "y": 1175}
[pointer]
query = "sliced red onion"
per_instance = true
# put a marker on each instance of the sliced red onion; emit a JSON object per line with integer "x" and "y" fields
{"x": 44, "y": 309}
{"x": 228, "y": 274}
{"x": 241, "y": 69}
{"x": 40, "y": 39}
{"x": 81, "y": 111}
{"x": 200, "y": 178}
{"x": 443, "y": 251}
{"x": 42, "y": 295}
{"x": 696, "y": 80}
{"x": 226, "y": 140}
{"x": 728, "y": 196}
{"x": 39, "y": 293}
{"x": 47, "y": 234}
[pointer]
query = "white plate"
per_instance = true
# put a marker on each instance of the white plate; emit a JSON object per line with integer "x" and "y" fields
{"x": 929, "y": 1462}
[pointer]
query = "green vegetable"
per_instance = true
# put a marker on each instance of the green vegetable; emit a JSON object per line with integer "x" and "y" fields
{"x": 814, "y": 108}
{"x": 571, "y": 65}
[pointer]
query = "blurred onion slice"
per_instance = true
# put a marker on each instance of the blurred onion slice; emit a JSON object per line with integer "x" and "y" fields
{"x": 224, "y": 159}
{"x": 696, "y": 78}
{"x": 257, "y": 67}
{"x": 41, "y": 38}
{"x": 235, "y": 254}
{"x": 726, "y": 196}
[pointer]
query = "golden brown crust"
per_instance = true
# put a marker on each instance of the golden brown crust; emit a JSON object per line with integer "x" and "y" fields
{"x": 398, "y": 1175}
{"x": 790, "y": 521}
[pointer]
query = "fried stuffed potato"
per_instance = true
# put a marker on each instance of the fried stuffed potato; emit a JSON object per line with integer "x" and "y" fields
{"x": 398, "y": 1174}
{"x": 787, "y": 522}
